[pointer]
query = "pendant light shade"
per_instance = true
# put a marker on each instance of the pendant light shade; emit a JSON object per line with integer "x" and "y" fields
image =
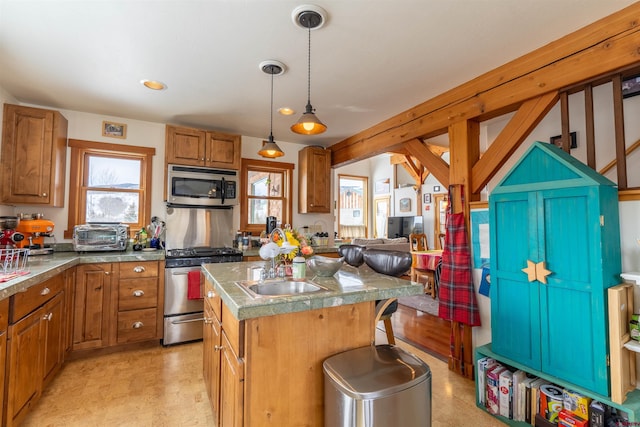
{"x": 269, "y": 148}
{"x": 309, "y": 17}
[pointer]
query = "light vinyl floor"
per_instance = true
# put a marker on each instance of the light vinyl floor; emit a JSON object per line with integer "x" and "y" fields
{"x": 164, "y": 387}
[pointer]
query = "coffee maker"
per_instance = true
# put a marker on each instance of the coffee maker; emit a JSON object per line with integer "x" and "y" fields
{"x": 34, "y": 231}
{"x": 272, "y": 223}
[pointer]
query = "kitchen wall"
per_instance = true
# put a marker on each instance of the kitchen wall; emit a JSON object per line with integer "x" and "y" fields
{"x": 87, "y": 126}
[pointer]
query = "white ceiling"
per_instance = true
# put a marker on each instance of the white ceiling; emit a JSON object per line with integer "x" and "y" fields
{"x": 371, "y": 60}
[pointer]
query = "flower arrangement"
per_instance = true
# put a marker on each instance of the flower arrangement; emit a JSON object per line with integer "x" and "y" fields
{"x": 294, "y": 238}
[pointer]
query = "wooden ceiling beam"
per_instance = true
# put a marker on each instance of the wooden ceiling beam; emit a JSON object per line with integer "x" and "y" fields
{"x": 514, "y": 133}
{"x": 438, "y": 167}
{"x": 602, "y": 47}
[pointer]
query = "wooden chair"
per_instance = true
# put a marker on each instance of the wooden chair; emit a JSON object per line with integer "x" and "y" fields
{"x": 418, "y": 242}
{"x": 391, "y": 263}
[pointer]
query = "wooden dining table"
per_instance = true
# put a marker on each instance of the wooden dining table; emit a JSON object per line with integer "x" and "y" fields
{"x": 423, "y": 267}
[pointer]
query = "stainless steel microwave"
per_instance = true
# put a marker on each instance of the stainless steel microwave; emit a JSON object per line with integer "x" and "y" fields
{"x": 195, "y": 186}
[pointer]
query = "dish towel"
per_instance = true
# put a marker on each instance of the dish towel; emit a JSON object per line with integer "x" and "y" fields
{"x": 456, "y": 292}
{"x": 194, "y": 290}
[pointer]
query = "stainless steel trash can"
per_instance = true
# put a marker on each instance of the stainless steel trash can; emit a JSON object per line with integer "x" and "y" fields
{"x": 376, "y": 386}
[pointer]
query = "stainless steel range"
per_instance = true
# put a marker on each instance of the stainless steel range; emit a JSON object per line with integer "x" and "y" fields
{"x": 195, "y": 236}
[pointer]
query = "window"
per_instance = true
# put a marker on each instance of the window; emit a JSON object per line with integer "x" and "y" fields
{"x": 265, "y": 191}
{"x": 352, "y": 206}
{"x": 109, "y": 183}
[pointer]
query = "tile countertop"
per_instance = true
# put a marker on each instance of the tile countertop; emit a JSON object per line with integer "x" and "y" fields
{"x": 349, "y": 286}
{"x": 43, "y": 267}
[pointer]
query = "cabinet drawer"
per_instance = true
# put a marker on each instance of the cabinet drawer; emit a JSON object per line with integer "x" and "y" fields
{"x": 214, "y": 299}
{"x": 136, "y": 325}
{"x": 134, "y": 270}
{"x": 4, "y": 315}
{"x": 234, "y": 329}
{"x": 24, "y": 303}
{"x": 135, "y": 294}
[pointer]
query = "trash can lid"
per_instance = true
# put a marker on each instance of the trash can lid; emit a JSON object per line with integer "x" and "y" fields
{"x": 375, "y": 371}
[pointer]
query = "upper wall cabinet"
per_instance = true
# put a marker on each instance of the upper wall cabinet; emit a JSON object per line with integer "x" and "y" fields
{"x": 555, "y": 249}
{"x": 34, "y": 144}
{"x": 197, "y": 147}
{"x": 314, "y": 191}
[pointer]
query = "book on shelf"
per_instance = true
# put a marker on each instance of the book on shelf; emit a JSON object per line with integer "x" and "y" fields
{"x": 506, "y": 393}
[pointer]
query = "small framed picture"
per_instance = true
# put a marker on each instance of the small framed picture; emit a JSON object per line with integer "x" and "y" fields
{"x": 114, "y": 130}
{"x": 427, "y": 197}
{"x": 631, "y": 87}
{"x": 557, "y": 140}
{"x": 405, "y": 205}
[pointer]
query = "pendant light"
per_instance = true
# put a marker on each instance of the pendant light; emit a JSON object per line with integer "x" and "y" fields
{"x": 308, "y": 16}
{"x": 269, "y": 148}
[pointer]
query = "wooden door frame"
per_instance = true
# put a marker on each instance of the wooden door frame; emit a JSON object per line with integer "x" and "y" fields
{"x": 376, "y": 201}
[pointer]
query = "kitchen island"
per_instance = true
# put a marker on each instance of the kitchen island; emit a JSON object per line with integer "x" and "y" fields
{"x": 263, "y": 356}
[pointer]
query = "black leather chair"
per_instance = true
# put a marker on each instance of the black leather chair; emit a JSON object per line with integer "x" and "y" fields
{"x": 391, "y": 263}
{"x": 353, "y": 254}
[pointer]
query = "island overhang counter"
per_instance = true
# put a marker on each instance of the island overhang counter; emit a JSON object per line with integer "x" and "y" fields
{"x": 263, "y": 356}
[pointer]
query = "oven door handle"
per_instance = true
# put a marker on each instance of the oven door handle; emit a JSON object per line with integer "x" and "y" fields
{"x": 224, "y": 190}
{"x": 182, "y": 273}
{"x": 178, "y": 322}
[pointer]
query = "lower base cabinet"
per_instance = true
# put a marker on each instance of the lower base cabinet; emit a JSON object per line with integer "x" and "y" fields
{"x": 117, "y": 303}
{"x": 35, "y": 345}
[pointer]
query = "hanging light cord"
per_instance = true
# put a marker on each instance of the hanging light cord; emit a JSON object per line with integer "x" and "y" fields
{"x": 309, "y": 68}
{"x": 271, "y": 111}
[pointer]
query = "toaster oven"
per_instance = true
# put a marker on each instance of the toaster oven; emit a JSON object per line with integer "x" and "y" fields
{"x": 94, "y": 237}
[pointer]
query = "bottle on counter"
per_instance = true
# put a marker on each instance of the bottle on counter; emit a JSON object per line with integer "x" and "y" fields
{"x": 143, "y": 237}
{"x": 299, "y": 267}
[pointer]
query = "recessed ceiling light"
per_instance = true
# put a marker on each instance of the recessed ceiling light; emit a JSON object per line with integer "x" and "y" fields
{"x": 286, "y": 111}
{"x": 154, "y": 84}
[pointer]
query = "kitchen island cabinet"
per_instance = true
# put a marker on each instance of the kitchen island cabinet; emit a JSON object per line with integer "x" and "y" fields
{"x": 271, "y": 349}
{"x": 4, "y": 324}
{"x": 34, "y": 144}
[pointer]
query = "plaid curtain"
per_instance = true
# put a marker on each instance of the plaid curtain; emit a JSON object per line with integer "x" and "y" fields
{"x": 456, "y": 292}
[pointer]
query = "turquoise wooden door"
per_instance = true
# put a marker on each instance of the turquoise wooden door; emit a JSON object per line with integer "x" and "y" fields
{"x": 557, "y": 327}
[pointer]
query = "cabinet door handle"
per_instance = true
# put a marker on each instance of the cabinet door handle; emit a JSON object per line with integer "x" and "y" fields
{"x": 211, "y": 294}
{"x": 47, "y": 316}
{"x": 208, "y": 320}
{"x": 218, "y": 347}
{"x": 44, "y": 194}
{"x": 107, "y": 273}
{"x": 138, "y": 269}
{"x": 137, "y": 325}
{"x": 45, "y": 291}
{"x": 138, "y": 293}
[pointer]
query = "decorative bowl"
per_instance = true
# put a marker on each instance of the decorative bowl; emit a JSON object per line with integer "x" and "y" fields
{"x": 324, "y": 266}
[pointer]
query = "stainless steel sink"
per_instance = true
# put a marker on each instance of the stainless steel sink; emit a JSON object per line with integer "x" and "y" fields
{"x": 279, "y": 288}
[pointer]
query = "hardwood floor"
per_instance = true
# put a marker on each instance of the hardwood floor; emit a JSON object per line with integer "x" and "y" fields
{"x": 429, "y": 333}
{"x": 164, "y": 387}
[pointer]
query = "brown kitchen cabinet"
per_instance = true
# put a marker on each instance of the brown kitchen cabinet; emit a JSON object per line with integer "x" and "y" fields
{"x": 223, "y": 369}
{"x": 91, "y": 306}
{"x": 4, "y": 325}
{"x": 35, "y": 345}
{"x": 314, "y": 190}
{"x": 254, "y": 352}
{"x": 139, "y": 291}
{"x": 34, "y": 144}
{"x": 212, "y": 339}
{"x": 205, "y": 148}
{"x": 117, "y": 303}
